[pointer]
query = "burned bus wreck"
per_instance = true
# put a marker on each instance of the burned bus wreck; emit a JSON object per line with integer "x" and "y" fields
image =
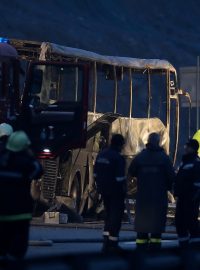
{"x": 130, "y": 96}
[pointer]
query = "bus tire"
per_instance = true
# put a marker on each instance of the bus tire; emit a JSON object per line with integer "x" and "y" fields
{"x": 75, "y": 192}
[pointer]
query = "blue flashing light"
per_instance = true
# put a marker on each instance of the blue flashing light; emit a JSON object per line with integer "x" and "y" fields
{"x": 4, "y": 40}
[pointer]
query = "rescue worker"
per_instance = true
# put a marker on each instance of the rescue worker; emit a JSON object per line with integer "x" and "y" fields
{"x": 154, "y": 174}
{"x": 187, "y": 191}
{"x": 197, "y": 137}
{"x": 17, "y": 168}
{"x": 5, "y": 131}
{"x": 109, "y": 173}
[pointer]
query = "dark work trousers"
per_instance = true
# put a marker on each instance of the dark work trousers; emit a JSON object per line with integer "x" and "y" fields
{"x": 114, "y": 210}
{"x": 186, "y": 219}
{"x": 14, "y": 238}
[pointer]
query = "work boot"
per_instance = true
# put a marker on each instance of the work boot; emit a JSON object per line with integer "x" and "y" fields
{"x": 194, "y": 243}
{"x": 142, "y": 244}
{"x": 183, "y": 245}
{"x": 105, "y": 244}
{"x": 112, "y": 246}
{"x": 155, "y": 244}
{"x": 142, "y": 247}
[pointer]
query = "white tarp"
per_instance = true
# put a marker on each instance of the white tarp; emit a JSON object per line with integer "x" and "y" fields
{"x": 110, "y": 60}
{"x": 136, "y": 132}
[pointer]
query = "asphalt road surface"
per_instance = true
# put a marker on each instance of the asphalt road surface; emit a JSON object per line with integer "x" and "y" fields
{"x": 59, "y": 240}
{"x": 78, "y": 247}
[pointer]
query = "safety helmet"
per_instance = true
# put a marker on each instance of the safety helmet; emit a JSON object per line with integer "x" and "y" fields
{"x": 18, "y": 141}
{"x": 5, "y": 130}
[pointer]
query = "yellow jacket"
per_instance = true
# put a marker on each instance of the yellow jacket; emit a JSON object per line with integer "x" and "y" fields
{"x": 197, "y": 137}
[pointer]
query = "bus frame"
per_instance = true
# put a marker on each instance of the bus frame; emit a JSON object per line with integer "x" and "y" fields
{"x": 75, "y": 183}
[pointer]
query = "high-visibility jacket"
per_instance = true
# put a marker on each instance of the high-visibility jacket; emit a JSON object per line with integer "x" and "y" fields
{"x": 197, "y": 137}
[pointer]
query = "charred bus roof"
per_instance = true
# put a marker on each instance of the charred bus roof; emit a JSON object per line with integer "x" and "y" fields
{"x": 33, "y": 50}
{"x": 128, "y": 62}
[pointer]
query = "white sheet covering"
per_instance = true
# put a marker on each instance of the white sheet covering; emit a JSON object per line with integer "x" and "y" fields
{"x": 112, "y": 60}
{"x": 136, "y": 132}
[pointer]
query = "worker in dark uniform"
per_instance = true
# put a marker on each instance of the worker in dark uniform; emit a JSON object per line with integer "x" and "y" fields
{"x": 17, "y": 169}
{"x": 5, "y": 131}
{"x": 155, "y": 174}
{"x": 109, "y": 173}
{"x": 187, "y": 191}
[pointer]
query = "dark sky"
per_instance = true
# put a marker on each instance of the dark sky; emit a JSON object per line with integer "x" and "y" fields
{"x": 145, "y": 28}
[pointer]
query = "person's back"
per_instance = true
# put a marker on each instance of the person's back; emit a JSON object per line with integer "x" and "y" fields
{"x": 187, "y": 177}
{"x": 187, "y": 191}
{"x": 109, "y": 168}
{"x": 16, "y": 173}
{"x": 155, "y": 174}
{"x": 152, "y": 172}
{"x": 109, "y": 173}
{"x": 17, "y": 168}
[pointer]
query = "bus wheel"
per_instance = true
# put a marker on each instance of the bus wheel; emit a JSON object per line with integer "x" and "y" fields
{"x": 75, "y": 193}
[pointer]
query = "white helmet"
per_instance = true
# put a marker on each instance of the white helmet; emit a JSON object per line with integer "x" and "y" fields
{"x": 5, "y": 130}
